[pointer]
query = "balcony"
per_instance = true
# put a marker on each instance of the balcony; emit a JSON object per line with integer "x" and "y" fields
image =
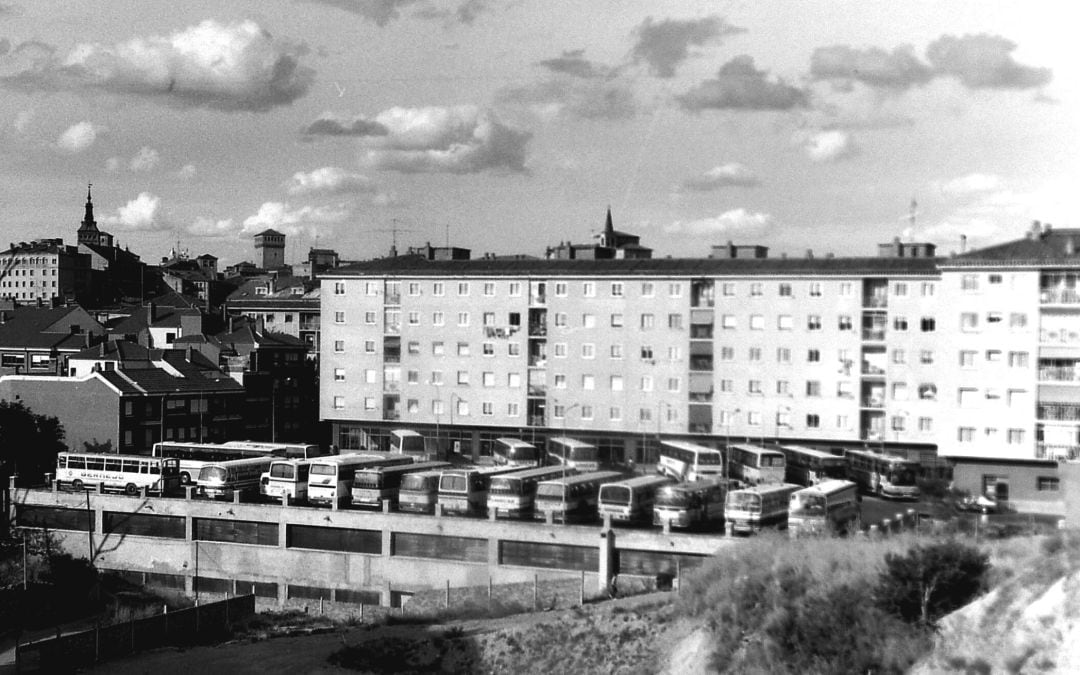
{"x": 1062, "y": 337}
{"x": 872, "y": 369}
{"x": 309, "y": 325}
{"x": 1059, "y": 374}
{"x": 537, "y": 329}
{"x": 873, "y": 334}
{"x": 538, "y": 390}
{"x": 876, "y": 302}
{"x": 391, "y": 415}
{"x": 1057, "y": 451}
{"x": 536, "y": 420}
{"x": 1058, "y": 412}
{"x": 875, "y": 402}
{"x": 1059, "y": 296}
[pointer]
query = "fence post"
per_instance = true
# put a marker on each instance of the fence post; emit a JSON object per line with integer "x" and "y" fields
{"x": 581, "y": 589}
{"x": 489, "y": 593}
{"x": 536, "y": 584}
{"x": 678, "y": 577}
{"x": 446, "y": 602}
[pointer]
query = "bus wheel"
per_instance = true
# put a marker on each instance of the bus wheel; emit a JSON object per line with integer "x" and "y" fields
{"x": 185, "y": 478}
{"x": 77, "y": 485}
{"x": 131, "y": 490}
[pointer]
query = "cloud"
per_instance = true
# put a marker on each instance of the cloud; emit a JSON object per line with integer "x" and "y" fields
{"x": 382, "y": 12}
{"x": 329, "y": 180}
{"x": 830, "y": 145}
{"x": 984, "y": 62}
{"x": 208, "y": 227}
{"x": 78, "y": 137}
{"x": 973, "y": 183}
{"x": 574, "y": 97}
{"x": 186, "y": 172}
{"x": 663, "y": 45}
{"x": 141, "y": 213}
{"x": 738, "y": 85}
{"x": 292, "y": 221}
{"x": 725, "y": 175}
{"x": 145, "y": 160}
{"x": 574, "y": 63}
{"x": 329, "y": 125}
{"x": 460, "y": 139}
{"x": 875, "y": 67}
{"x": 734, "y": 221}
{"x": 231, "y": 67}
{"x": 466, "y": 13}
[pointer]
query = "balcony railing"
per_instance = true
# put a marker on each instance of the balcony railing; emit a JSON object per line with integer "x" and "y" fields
{"x": 875, "y": 334}
{"x": 872, "y": 402}
{"x": 1057, "y": 451}
{"x": 1070, "y": 338}
{"x": 871, "y": 369}
{"x": 536, "y": 420}
{"x": 1059, "y": 374}
{"x": 391, "y": 415}
{"x": 1059, "y": 296}
{"x": 537, "y": 390}
{"x": 1058, "y": 412}
{"x": 875, "y": 302}
{"x": 537, "y": 329}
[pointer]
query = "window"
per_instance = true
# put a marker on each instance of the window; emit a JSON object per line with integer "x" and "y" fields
{"x": 560, "y": 350}
{"x": 899, "y": 323}
{"x": 815, "y": 289}
{"x": 560, "y": 319}
{"x": 339, "y": 346}
{"x": 674, "y": 354}
{"x": 488, "y": 379}
{"x": 463, "y": 288}
{"x": 648, "y": 289}
{"x": 900, "y": 289}
{"x": 462, "y": 407}
{"x": 846, "y": 289}
{"x": 339, "y": 288}
{"x": 616, "y": 383}
{"x": 646, "y": 383}
{"x": 339, "y": 317}
{"x": 967, "y": 397}
{"x": 755, "y": 288}
{"x": 513, "y": 409}
{"x": 785, "y": 322}
{"x": 1017, "y": 320}
{"x": 755, "y": 353}
{"x": 675, "y": 290}
{"x": 560, "y": 289}
{"x": 462, "y": 377}
{"x": 675, "y": 321}
{"x": 993, "y": 355}
{"x": 463, "y": 349}
{"x": 969, "y": 283}
{"x": 927, "y": 324}
{"x": 489, "y": 318}
{"x": 647, "y": 321}
{"x": 994, "y": 317}
{"x": 370, "y": 376}
{"x": 783, "y": 355}
{"x": 588, "y": 289}
{"x": 927, "y": 289}
{"x": 926, "y": 424}
{"x": 754, "y": 386}
{"x": 813, "y": 421}
{"x": 414, "y": 288}
{"x": 757, "y": 322}
{"x": 615, "y": 413}
{"x": 586, "y": 412}
{"x": 339, "y": 374}
{"x": 783, "y": 388}
{"x": 438, "y": 288}
{"x": 969, "y": 322}
{"x": 899, "y": 391}
{"x": 645, "y": 414}
{"x": 673, "y": 384}
{"x": 727, "y": 289}
{"x": 813, "y": 355}
{"x": 1047, "y": 484}
{"x": 438, "y": 348}
{"x": 899, "y": 356}
{"x": 513, "y": 349}
{"x": 753, "y": 418}
{"x": 414, "y": 318}
{"x": 588, "y": 321}
{"x": 994, "y": 279}
{"x": 844, "y": 322}
{"x": 785, "y": 290}
{"x": 515, "y": 289}
{"x": 841, "y": 421}
{"x": 339, "y": 402}
{"x": 727, "y": 353}
{"x": 616, "y": 320}
{"x": 967, "y": 359}
{"x": 813, "y": 388}
{"x": 1016, "y": 436}
{"x": 487, "y": 408}
{"x": 926, "y": 356}
{"x": 438, "y": 319}
{"x": 844, "y": 390}
{"x": 560, "y": 381}
{"x": 813, "y": 322}
{"x": 927, "y": 391}
{"x": 413, "y": 376}
{"x": 371, "y": 288}
{"x": 965, "y": 434}
{"x": 488, "y": 348}
{"x": 588, "y": 382}
{"x": 1018, "y": 359}
{"x": 513, "y": 380}
{"x": 616, "y": 289}
{"x": 588, "y": 350}
{"x": 728, "y": 322}
{"x": 463, "y": 319}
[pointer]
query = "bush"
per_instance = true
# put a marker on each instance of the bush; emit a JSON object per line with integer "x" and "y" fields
{"x": 930, "y": 581}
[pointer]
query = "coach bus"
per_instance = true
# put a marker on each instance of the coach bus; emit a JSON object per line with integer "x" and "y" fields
{"x": 630, "y": 500}
{"x": 419, "y": 492}
{"x": 515, "y": 452}
{"x": 572, "y": 453}
{"x": 222, "y": 480}
{"x": 754, "y": 465}
{"x": 124, "y": 473}
{"x": 571, "y": 499}
{"x": 830, "y": 507}
{"x": 513, "y": 495}
{"x": 375, "y": 485}
{"x": 883, "y": 475}
{"x": 750, "y": 509}
{"x": 683, "y": 460}
{"x": 194, "y": 456}
{"x": 330, "y": 479}
{"x": 408, "y": 442}
{"x": 465, "y": 491}
{"x": 807, "y": 466}
{"x": 288, "y": 450}
{"x": 686, "y": 505}
{"x": 286, "y": 479}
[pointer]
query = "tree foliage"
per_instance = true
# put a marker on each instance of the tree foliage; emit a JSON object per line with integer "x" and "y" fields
{"x": 928, "y": 582}
{"x": 28, "y": 441}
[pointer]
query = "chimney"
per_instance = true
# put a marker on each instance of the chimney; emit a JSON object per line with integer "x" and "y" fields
{"x": 1070, "y": 246}
{"x": 963, "y": 243}
{"x": 1036, "y": 229}
{"x": 86, "y": 339}
{"x": 187, "y": 353}
{"x": 809, "y": 254}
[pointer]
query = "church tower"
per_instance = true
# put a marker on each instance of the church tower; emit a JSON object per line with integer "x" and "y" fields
{"x": 272, "y": 244}
{"x": 88, "y": 231}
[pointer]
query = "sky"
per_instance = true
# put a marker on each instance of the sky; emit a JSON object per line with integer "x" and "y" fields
{"x": 506, "y": 126}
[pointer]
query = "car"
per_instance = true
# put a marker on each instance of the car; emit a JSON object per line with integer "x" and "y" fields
{"x": 978, "y": 504}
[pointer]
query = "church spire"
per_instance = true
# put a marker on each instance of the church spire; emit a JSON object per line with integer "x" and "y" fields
{"x": 88, "y": 219}
{"x": 608, "y": 238}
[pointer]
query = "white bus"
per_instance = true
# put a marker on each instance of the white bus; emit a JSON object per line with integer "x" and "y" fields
{"x": 419, "y": 492}
{"x": 330, "y": 479}
{"x": 754, "y": 465}
{"x": 573, "y": 498}
{"x": 513, "y": 495}
{"x": 408, "y": 442}
{"x": 572, "y": 453}
{"x": 686, "y": 505}
{"x": 289, "y": 450}
{"x": 807, "y": 466}
{"x": 287, "y": 478}
{"x": 515, "y": 452}
{"x": 630, "y": 500}
{"x": 374, "y": 485}
{"x": 830, "y": 507}
{"x": 750, "y": 509}
{"x": 884, "y": 475}
{"x": 465, "y": 491}
{"x": 124, "y": 473}
{"x": 683, "y": 460}
{"x": 194, "y": 456}
{"x": 221, "y": 480}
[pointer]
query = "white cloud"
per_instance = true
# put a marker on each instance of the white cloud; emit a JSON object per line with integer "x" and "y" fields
{"x": 145, "y": 160}
{"x": 572, "y": 95}
{"x": 141, "y": 213}
{"x": 287, "y": 220}
{"x": 186, "y": 172}
{"x": 208, "y": 227}
{"x": 984, "y": 62}
{"x": 739, "y": 85}
{"x": 78, "y": 137}
{"x": 830, "y": 145}
{"x": 329, "y": 180}
{"x": 969, "y": 184}
{"x": 734, "y": 221}
{"x": 732, "y": 174}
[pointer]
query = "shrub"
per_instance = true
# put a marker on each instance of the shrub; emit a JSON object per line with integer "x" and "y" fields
{"x": 930, "y": 581}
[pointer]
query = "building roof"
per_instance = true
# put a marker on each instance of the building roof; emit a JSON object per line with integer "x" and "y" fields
{"x": 157, "y": 381}
{"x": 270, "y": 231}
{"x": 244, "y": 337}
{"x": 1042, "y": 246}
{"x": 44, "y": 328}
{"x": 164, "y": 317}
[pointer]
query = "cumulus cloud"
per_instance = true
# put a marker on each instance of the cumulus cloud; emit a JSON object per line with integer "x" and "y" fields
{"x": 738, "y": 85}
{"x": 973, "y": 183}
{"x": 725, "y": 175}
{"x": 329, "y": 180}
{"x": 984, "y": 62}
{"x": 830, "y": 145}
{"x": 573, "y": 62}
{"x": 467, "y": 12}
{"x": 292, "y": 221}
{"x": 664, "y": 45}
{"x": 460, "y": 139}
{"x": 236, "y": 66}
{"x": 382, "y": 12}
{"x": 141, "y": 213}
{"x": 734, "y": 221}
{"x": 146, "y": 159}
{"x": 78, "y": 137}
{"x": 208, "y": 227}
{"x": 573, "y": 96}
{"x": 330, "y": 125}
{"x": 898, "y": 70}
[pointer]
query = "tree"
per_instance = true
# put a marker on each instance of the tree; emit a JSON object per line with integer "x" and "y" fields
{"x": 930, "y": 581}
{"x": 28, "y": 441}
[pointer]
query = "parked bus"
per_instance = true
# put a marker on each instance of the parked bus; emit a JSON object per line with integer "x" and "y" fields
{"x": 221, "y": 480}
{"x": 573, "y": 498}
{"x": 884, "y": 475}
{"x": 686, "y": 505}
{"x": 289, "y": 450}
{"x": 630, "y": 500}
{"x": 287, "y": 478}
{"x": 683, "y": 460}
{"x": 194, "y": 456}
{"x": 408, "y": 442}
{"x": 513, "y": 495}
{"x": 572, "y": 453}
{"x": 375, "y": 485}
{"x": 124, "y": 473}
{"x": 330, "y": 479}
{"x": 419, "y": 492}
{"x": 754, "y": 465}
{"x": 750, "y": 509}
{"x": 465, "y": 491}
{"x": 515, "y": 452}
{"x": 830, "y": 507}
{"x": 807, "y": 466}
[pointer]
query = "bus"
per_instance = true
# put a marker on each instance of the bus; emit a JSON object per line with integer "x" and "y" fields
{"x": 686, "y": 505}
{"x": 286, "y": 479}
{"x": 830, "y": 507}
{"x": 572, "y": 453}
{"x": 375, "y": 485}
{"x": 194, "y": 456}
{"x": 683, "y": 460}
{"x": 222, "y": 480}
{"x": 330, "y": 479}
{"x": 750, "y": 509}
{"x": 630, "y": 500}
{"x": 464, "y": 491}
{"x": 408, "y": 442}
{"x": 289, "y": 450}
{"x": 123, "y": 473}
{"x": 883, "y": 475}
{"x": 573, "y": 498}
{"x": 515, "y": 452}
{"x": 754, "y": 465}
{"x": 419, "y": 492}
{"x": 807, "y": 466}
{"x": 513, "y": 495}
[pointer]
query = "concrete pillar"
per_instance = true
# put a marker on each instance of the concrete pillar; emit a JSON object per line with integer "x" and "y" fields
{"x": 189, "y": 491}
{"x": 606, "y": 568}
{"x": 386, "y": 594}
{"x": 144, "y": 492}
{"x": 386, "y": 506}
{"x": 236, "y": 497}
{"x": 491, "y": 513}
{"x": 666, "y": 526}
{"x": 282, "y": 593}
{"x": 549, "y": 517}
{"x": 55, "y": 484}
{"x": 387, "y": 542}
{"x": 438, "y": 510}
{"x": 334, "y": 503}
{"x": 283, "y": 534}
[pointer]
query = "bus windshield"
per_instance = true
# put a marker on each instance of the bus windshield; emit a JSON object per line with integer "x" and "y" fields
{"x": 708, "y": 459}
{"x": 283, "y": 471}
{"x": 902, "y": 476}
{"x": 550, "y": 490}
{"x": 368, "y": 479}
{"x": 417, "y": 482}
{"x": 454, "y": 484}
{"x": 583, "y": 454}
{"x": 770, "y": 460}
{"x": 615, "y": 494}
{"x": 672, "y": 497}
{"x": 504, "y": 485}
{"x": 323, "y": 470}
{"x": 809, "y": 504}
{"x": 744, "y": 501}
{"x": 213, "y": 473}
{"x": 522, "y": 452}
